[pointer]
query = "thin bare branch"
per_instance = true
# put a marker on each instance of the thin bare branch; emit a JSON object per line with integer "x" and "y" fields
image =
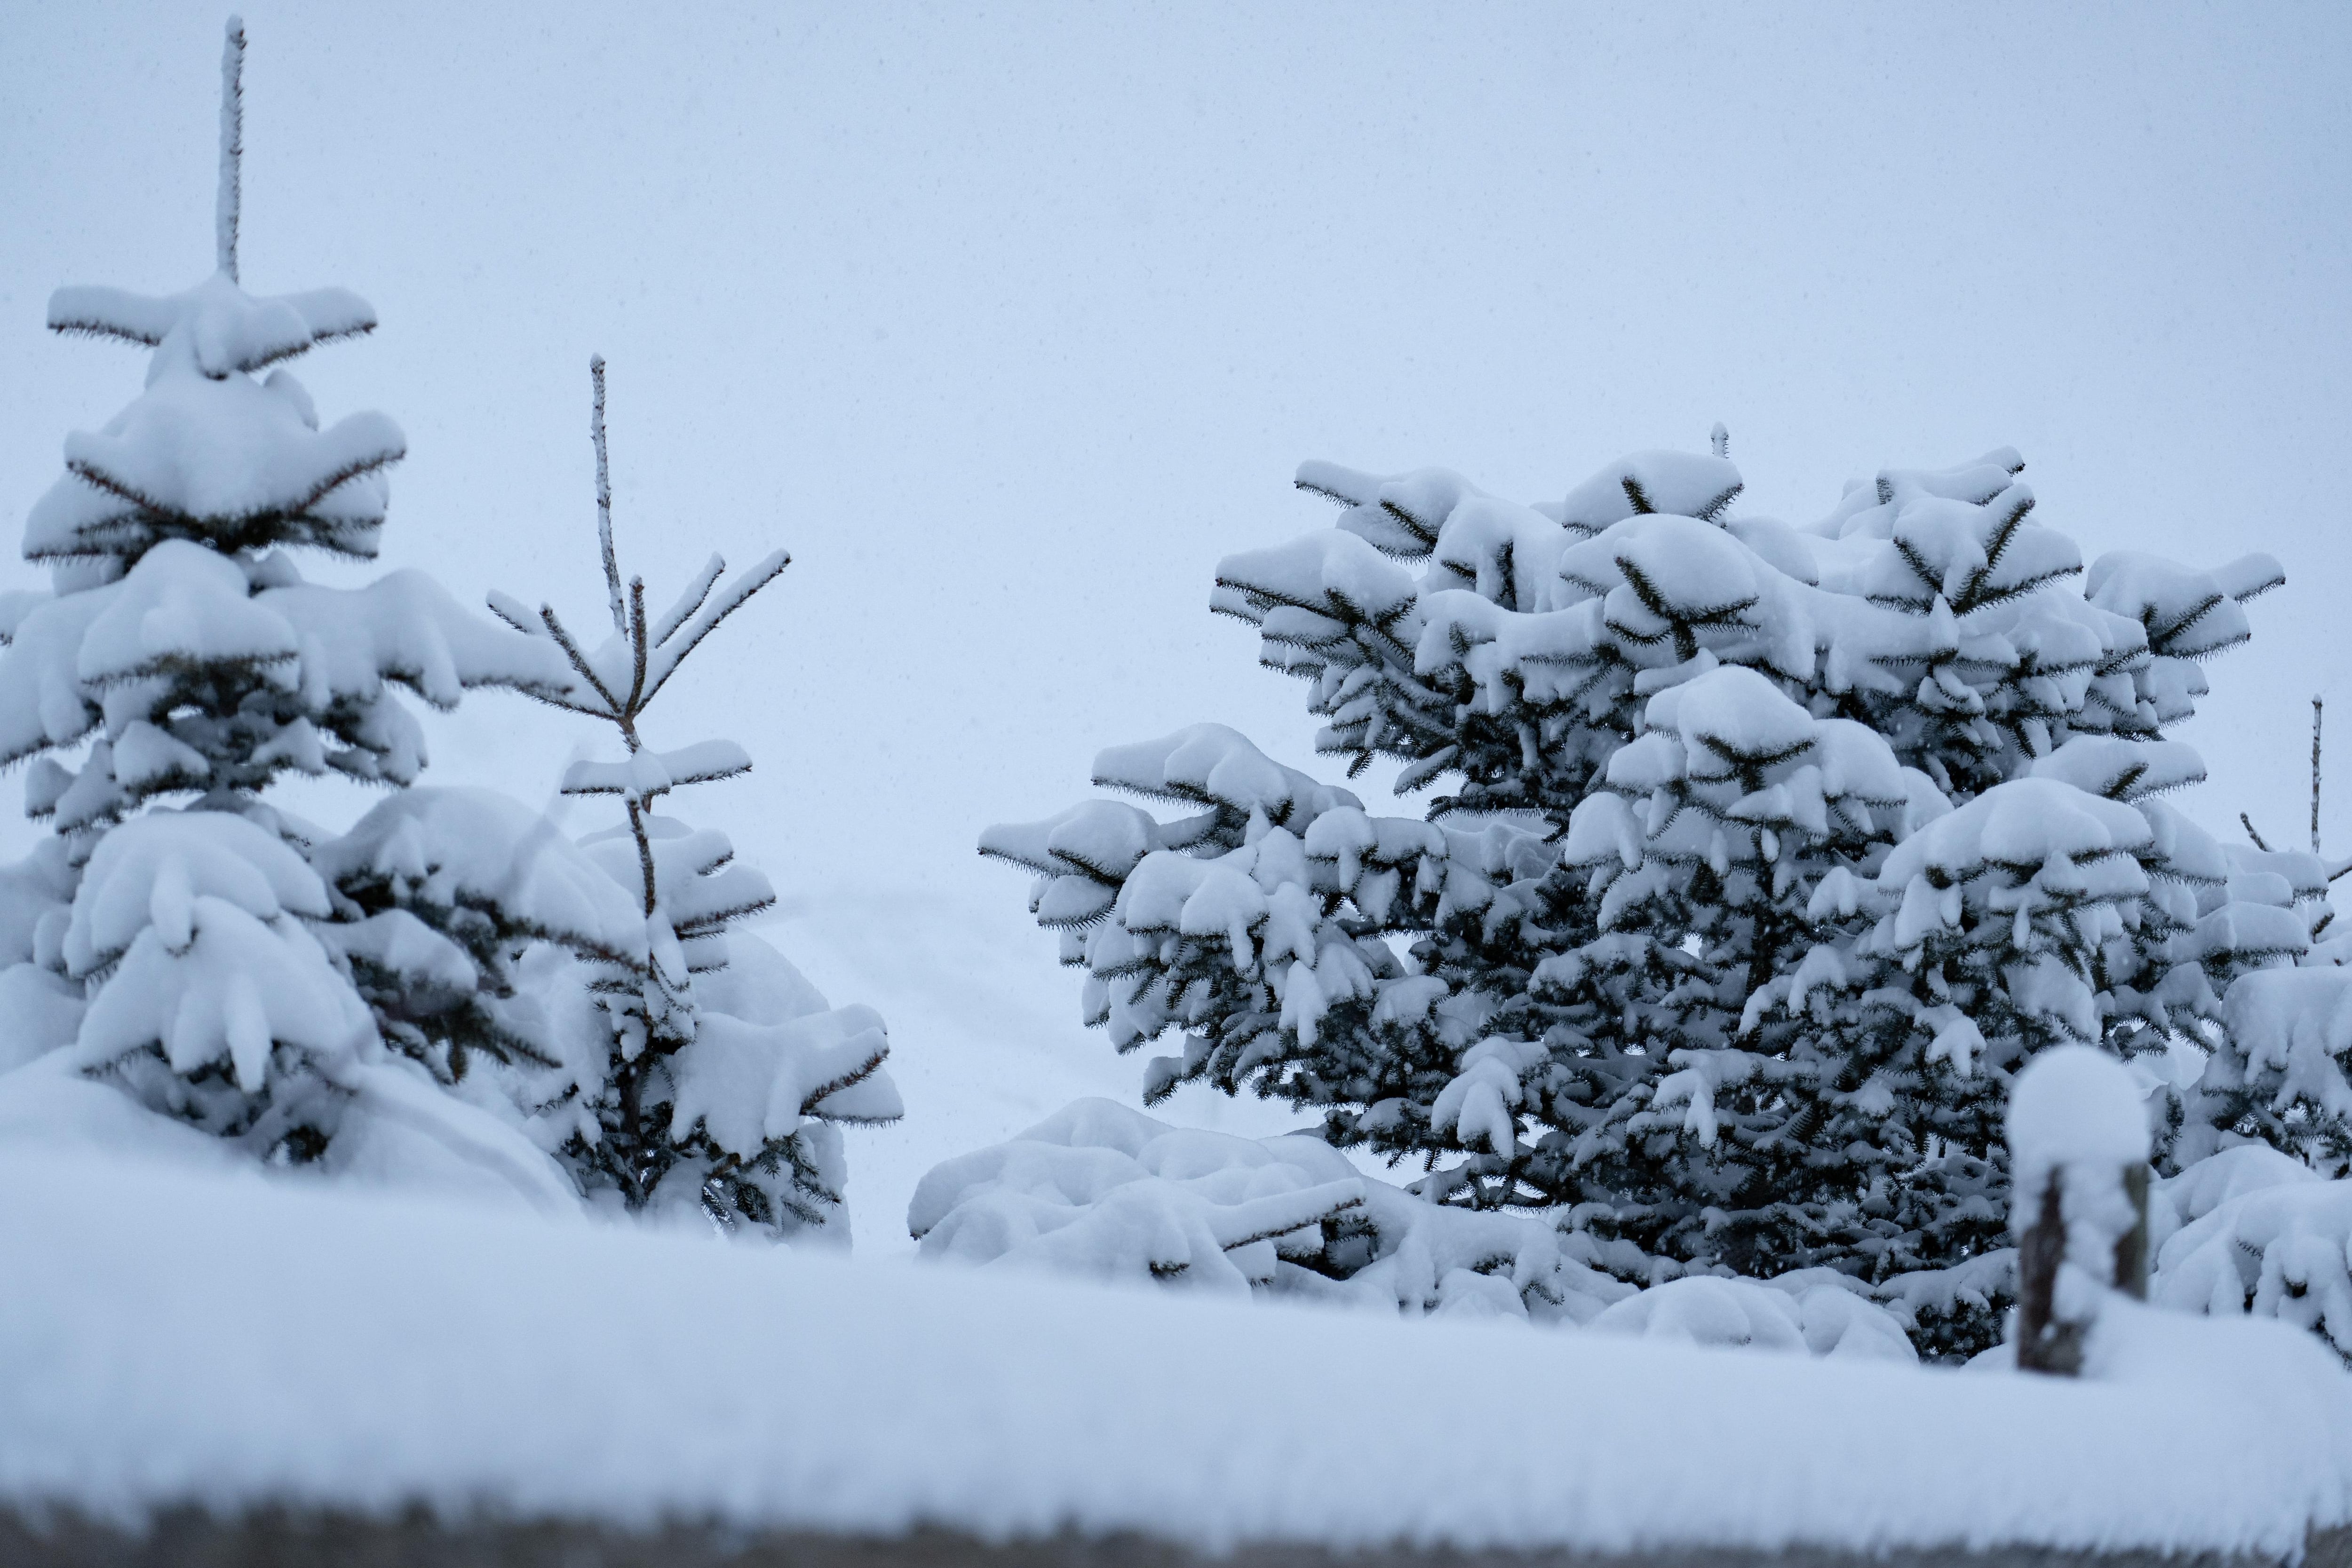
{"x": 2317, "y": 708}
{"x": 604, "y": 497}
{"x": 579, "y": 660}
{"x": 230, "y": 198}
{"x": 737, "y": 593}
{"x": 638, "y": 646}
{"x": 510, "y": 611}
{"x": 646, "y": 870}
{"x": 691, "y": 600}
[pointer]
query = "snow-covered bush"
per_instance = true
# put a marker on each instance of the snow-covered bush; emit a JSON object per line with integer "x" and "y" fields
{"x": 180, "y": 655}
{"x": 1104, "y": 1192}
{"x": 1816, "y": 1311}
{"x": 1766, "y": 855}
{"x": 2251, "y": 1230}
{"x": 671, "y": 1097}
{"x": 2278, "y": 1069}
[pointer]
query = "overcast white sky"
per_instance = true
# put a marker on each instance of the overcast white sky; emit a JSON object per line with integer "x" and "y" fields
{"x": 1009, "y": 321}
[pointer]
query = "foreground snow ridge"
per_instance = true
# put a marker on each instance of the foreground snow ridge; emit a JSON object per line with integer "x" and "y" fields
{"x": 326, "y": 1348}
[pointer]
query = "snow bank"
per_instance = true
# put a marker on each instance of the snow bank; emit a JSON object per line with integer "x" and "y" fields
{"x": 233, "y": 1338}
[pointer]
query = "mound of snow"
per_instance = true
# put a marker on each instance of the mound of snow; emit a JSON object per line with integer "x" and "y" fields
{"x": 236, "y": 1338}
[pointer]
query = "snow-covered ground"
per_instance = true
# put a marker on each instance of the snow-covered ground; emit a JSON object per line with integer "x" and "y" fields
{"x": 230, "y": 1339}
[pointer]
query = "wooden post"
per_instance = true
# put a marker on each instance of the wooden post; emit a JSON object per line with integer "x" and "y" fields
{"x": 2078, "y": 1146}
{"x": 2047, "y": 1340}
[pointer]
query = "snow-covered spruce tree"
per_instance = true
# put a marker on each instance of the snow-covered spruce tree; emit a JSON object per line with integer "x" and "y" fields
{"x": 1681, "y": 749}
{"x": 718, "y": 1080}
{"x": 2279, "y": 1073}
{"x": 2257, "y": 1218}
{"x": 181, "y": 653}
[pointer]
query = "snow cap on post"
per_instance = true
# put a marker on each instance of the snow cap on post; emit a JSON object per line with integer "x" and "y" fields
{"x": 2072, "y": 1105}
{"x": 2078, "y": 1144}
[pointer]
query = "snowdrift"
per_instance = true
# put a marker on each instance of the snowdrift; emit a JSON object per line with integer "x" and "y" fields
{"x": 175, "y": 1335}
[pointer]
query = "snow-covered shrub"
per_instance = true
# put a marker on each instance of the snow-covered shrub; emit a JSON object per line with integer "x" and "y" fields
{"x": 1765, "y": 856}
{"x": 1816, "y": 1311}
{"x": 180, "y": 655}
{"x": 674, "y": 1098}
{"x": 1104, "y": 1192}
{"x": 2278, "y": 1069}
{"x": 2251, "y": 1230}
{"x": 220, "y": 1004}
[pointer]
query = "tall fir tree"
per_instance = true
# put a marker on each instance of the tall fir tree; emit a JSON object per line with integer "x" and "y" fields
{"x": 180, "y": 662}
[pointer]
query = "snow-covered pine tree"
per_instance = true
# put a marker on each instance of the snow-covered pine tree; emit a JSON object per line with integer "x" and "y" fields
{"x": 2280, "y": 1071}
{"x": 1683, "y": 750}
{"x": 720, "y": 1080}
{"x": 181, "y": 653}
{"x": 2256, "y": 1218}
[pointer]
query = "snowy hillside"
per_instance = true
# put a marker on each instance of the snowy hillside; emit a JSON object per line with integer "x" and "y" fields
{"x": 200, "y": 1337}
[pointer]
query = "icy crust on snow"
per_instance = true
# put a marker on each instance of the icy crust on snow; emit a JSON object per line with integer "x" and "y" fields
{"x": 1101, "y": 1192}
{"x": 1007, "y": 1405}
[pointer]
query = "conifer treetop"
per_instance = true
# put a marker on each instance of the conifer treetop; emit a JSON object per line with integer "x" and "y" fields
{"x": 232, "y": 330}
{"x": 619, "y": 678}
{"x": 207, "y": 451}
{"x": 231, "y": 197}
